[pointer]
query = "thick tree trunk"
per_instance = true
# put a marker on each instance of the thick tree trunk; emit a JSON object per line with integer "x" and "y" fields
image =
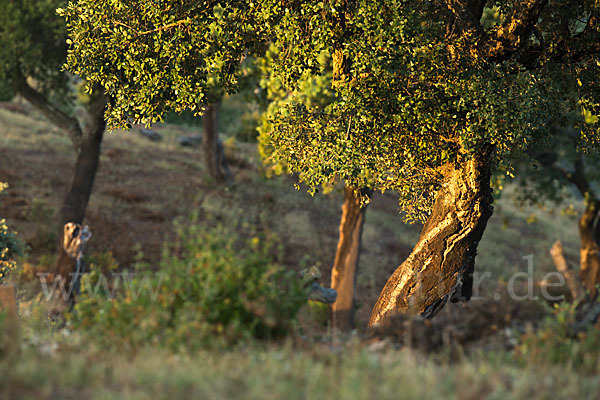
{"x": 440, "y": 267}
{"x": 345, "y": 265}
{"x": 213, "y": 152}
{"x": 590, "y": 250}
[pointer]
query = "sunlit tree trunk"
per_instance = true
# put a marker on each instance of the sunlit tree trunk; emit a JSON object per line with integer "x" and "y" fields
{"x": 590, "y": 250}
{"x": 589, "y": 226}
{"x": 345, "y": 265}
{"x": 440, "y": 266}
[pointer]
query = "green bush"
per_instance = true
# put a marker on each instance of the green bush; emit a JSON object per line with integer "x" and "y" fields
{"x": 210, "y": 290}
{"x": 9, "y": 246}
{"x": 554, "y": 342}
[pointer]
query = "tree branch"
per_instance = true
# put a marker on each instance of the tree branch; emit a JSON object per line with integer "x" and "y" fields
{"x": 49, "y": 110}
{"x": 511, "y": 35}
{"x": 465, "y": 16}
{"x": 580, "y": 181}
{"x": 584, "y": 45}
{"x": 150, "y": 31}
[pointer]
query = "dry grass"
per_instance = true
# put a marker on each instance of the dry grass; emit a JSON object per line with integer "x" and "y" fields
{"x": 72, "y": 370}
{"x": 142, "y": 187}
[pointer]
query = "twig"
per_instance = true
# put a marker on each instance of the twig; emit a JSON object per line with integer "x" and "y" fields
{"x": 161, "y": 28}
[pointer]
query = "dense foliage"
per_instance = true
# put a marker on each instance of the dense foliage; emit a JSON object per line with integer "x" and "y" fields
{"x": 209, "y": 290}
{"x": 314, "y": 92}
{"x": 33, "y": 44}
{"x": 153, "y": 57}
{"x": 409, "y": 102}
{"x": 410, "y": 98}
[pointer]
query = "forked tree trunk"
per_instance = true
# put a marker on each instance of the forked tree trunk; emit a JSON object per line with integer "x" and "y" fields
{"x": 440, "y": 266}
{"x": 77, "y": 199}
{"x": 87, "y": 142}
{"x": 590, "y": 250}
{"x": 345, "y": 264}
{"x": 210, "y": 143}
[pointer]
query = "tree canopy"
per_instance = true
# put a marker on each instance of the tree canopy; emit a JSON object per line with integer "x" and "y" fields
{"x": 33, "y": 44}
{"x": 417, "y": 86}
{"x": 153, "y": 57}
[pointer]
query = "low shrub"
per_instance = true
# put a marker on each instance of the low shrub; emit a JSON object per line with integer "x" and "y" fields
{"x": 555, "y": 342}
{"x": 10, "y": 247}
{"x": 210, "y": 290}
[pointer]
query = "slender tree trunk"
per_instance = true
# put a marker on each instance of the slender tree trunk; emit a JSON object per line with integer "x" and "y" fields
{"x": 560, "y": 262}
{"x": 210, "y": 143}
{"x": 87, "y": 142}
{"x": 345, "y": 265}
{"x": 88, "y": 158}
{"x": 75, "y": 203}
{"x": 589, "y": 226}
{"x": 440, "y": 267}
{"x": 590, "y": 250}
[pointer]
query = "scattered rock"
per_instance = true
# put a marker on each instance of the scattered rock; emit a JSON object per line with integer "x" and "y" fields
{"x": 321, "y": 294}
{"x": 150, "y": 135}
{"x": 190, "y": 141}
{"x": 316, "y": 292}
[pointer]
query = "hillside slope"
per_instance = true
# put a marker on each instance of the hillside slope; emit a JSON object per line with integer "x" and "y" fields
{"x": 142, "y": 187}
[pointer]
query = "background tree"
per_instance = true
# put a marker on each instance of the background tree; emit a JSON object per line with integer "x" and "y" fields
{"x": 247, "y": 78}
{"x": 32, "y": 52}
{"x": 561, "y": 170}
{"x": 158, "y": 57}
{"x": 210, "y": 143}
{"x": 317, "y": 92}
{"x": 428, "y": 100}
